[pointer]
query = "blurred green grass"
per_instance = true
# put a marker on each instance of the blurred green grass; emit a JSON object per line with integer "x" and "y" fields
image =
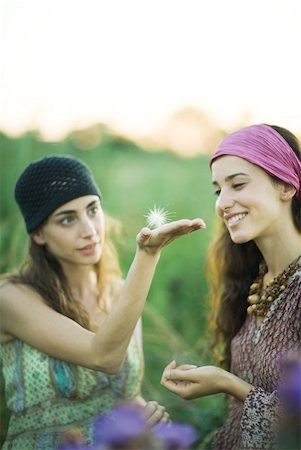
{"x": 132, "y": 180}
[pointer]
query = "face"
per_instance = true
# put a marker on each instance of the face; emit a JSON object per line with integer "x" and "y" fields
{"x": 74, "y": 233}
{"x": 247, "y": 200}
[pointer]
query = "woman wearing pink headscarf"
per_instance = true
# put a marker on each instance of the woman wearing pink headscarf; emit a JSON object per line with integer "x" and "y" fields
{"x": 255, "y": 277}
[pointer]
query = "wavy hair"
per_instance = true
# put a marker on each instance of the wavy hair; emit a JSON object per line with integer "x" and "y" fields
{"x": 44, "y": 274}
{"x": 230, "y": 270}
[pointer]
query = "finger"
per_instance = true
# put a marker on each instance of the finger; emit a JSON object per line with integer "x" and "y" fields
{"x": 180, "y": 389}
{"x": 150, "y": 408}
{"x": 191, "y": 225}
{"x": 199, "y": 223}
{"x": 181, "y": 226}
{"x": 181, "y": 375}
{"x": 171, "y": 365}
{"x": 157, "y": 416}
{"x": 143, "y": 235}
{"x": 187, "y": 367}
{"x": 168, "y": 383}
{"x": 166, "y": 418}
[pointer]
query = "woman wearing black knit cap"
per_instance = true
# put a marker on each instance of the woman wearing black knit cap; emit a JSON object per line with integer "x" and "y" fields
{"x": 70, "y": 337}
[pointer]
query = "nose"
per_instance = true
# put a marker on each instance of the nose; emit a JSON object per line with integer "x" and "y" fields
{"x": 224, "y": 202}
{"x": 87, "y": 228}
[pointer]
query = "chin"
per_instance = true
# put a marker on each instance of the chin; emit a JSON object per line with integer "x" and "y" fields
{"x": 240, "y": 239}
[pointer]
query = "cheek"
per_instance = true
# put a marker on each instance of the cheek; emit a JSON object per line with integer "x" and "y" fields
{"x": 218, "y": 210}
{"x": 61, "y": 241}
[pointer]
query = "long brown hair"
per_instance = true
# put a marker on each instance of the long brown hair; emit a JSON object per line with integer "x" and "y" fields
{"x": 231, "y": 268}
{"x": 43, "y": 273}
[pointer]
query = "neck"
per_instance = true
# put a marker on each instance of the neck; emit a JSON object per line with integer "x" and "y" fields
{"x": 280, "y": 250}
{"x": 82, "y": 280}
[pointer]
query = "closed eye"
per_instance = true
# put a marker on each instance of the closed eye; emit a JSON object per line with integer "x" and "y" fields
{"x": 238, "y": 185}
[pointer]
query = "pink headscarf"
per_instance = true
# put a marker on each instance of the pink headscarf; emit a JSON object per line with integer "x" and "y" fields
{"x": 265, "y": 147}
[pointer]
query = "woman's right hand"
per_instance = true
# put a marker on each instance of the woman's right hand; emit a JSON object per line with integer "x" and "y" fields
{"x": 153, "y": 241}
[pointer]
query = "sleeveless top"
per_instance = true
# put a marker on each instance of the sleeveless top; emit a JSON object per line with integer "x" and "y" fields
{"x": 48, "y": 397}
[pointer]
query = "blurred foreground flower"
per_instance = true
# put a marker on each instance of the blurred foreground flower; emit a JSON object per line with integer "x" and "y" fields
{"x": 126, "y": 428}
{"x": 290, "y": 389}
{"x": 175, "y": 435}
{"x": 123, "y": 427}
{"x": 290, "y": 397}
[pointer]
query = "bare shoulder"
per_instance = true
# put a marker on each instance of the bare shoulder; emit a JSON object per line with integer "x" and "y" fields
{"x": 13, "y": 299}
{"x": 26, "y": 316}
{"x": 12, "y": 293}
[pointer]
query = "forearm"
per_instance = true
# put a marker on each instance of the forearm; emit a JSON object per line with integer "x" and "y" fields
{"x": 115, "y": 332}
{"x": 235, "y": 386}
{"x": 112, "y": 339}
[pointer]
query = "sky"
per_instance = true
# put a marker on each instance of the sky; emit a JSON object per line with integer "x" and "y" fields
{"x": 132, "y": 63}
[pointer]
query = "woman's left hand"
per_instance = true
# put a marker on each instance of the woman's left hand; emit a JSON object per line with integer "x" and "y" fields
{"x": 155, "y": 413}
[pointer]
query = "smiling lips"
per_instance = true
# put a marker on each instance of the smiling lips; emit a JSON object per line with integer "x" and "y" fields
{"x": 88, "y": 249}
{"x": 234, "y": 219}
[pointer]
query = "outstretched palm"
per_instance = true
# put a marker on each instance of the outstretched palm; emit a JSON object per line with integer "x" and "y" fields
{"x": 152, "y": 241}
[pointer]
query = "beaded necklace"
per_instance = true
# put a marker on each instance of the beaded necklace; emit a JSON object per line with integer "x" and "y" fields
{"x": 261, "y": 298}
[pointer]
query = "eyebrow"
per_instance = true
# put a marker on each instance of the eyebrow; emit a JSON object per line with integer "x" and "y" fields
{"x": 73, "y": 211}
{"x": 230, "y": 177}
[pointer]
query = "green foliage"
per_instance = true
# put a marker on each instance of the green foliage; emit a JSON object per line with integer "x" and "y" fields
{"x": 132, "y": 181}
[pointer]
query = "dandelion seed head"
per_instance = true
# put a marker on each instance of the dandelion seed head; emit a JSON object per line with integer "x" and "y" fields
{"x": 156, "y": 217}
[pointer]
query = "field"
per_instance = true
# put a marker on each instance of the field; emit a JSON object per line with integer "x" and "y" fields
{"x": 132, "y": 180}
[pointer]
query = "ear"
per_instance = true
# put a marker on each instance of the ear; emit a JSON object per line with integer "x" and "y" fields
{"x": 287, "y": 192}
{"x": 38, "y": 237}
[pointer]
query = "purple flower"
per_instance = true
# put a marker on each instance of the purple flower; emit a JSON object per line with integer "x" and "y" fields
{"x": 290, "y": 390}
{"x": 175, "y": 435}
{"x": 120, "y": 425}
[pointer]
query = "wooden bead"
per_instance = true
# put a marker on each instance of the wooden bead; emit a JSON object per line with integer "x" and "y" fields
{"x": 261, "y": 298}
{"x": 250, "y": 309}
{"x": 254, "y": 298}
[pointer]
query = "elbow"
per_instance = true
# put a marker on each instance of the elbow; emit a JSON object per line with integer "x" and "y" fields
{"x": 110, "y": 367}
{"x": 113, "y": 370}
{"x": 106, "y": 359}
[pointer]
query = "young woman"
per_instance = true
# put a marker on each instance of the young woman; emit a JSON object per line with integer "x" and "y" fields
{"x": 256, "y": 283}
{"x": 70, "y": 337}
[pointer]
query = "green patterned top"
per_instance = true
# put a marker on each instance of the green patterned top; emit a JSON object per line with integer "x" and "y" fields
{"x": 48, "y": 397}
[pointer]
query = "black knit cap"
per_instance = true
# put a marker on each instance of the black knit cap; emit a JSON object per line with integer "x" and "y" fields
{"x": 49, "y": 183}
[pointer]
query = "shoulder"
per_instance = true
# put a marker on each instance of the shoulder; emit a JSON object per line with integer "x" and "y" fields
{"x": 13, "y": 291}
{"x": 15, "y": 298}
{"x": 295, "y": 283}
{"x": 292, "y": 297}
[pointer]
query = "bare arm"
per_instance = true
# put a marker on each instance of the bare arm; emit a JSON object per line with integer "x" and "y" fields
{"x": 25, "y": 316}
